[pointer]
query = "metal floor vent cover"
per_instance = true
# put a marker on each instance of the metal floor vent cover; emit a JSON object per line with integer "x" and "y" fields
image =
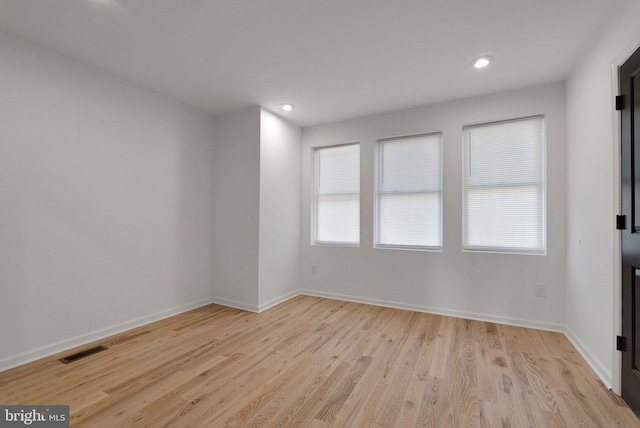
{"x": 71, "y": 358}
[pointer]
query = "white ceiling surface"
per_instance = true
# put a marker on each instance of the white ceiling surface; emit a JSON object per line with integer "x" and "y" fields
{"x": 334, "y": 59}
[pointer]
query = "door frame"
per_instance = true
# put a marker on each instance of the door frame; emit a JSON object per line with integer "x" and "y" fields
{"x": 623, "y": 56}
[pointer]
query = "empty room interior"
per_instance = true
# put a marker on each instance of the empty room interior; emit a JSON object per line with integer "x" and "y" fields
{"x": 316, "y": 213}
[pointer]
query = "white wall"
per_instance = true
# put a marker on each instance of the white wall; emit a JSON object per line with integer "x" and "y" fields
{"x": 105, "y": 204}
{"x": 236, "y": 218}
{"x": 476, "y": 285}
{"x": 279, "y": 242}
{"x": 256, "y": 222}
{"x": 593, "y": 283}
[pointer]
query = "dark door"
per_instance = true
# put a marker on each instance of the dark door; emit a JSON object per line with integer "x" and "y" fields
{"x": 630, "y": 169}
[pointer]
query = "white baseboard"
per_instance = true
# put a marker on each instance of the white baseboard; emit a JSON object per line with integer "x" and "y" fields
{"x": 594, "y": 362}
{"x": 235, "y": 304}
{"x": 253, "y": 308}
{"x": 518, "y": 322}
{"x": 274, "y": 302}
{"x": 61, "y": 346}
{"x": 598, "y": 367}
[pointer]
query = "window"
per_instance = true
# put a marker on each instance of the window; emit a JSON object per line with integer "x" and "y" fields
{"x": 409, "y": 192}
{"x": 504, "y": 187}
{"x": 337, "y": 195}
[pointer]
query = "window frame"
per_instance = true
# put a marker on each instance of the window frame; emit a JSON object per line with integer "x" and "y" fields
{"x": 377, "y": 192}
{"x": 315, "y": 171}
{"x": 542, "y": 184}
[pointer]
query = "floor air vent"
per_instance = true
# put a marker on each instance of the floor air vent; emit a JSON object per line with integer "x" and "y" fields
{"x": 71, "y": 358}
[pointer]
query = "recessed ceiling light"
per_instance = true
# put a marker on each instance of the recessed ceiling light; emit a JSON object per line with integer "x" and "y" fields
{"x": 287, "y": 106}
{"x": 482, "y": 62}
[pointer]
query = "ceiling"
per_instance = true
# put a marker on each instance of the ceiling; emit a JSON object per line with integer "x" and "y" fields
{"x": 333, "y": 59}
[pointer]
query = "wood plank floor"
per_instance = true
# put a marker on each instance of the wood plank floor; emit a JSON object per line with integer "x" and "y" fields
{"x": 313, "y": 362}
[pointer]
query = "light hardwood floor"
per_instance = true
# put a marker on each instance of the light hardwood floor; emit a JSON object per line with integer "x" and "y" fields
{"x": 313, "y": 362}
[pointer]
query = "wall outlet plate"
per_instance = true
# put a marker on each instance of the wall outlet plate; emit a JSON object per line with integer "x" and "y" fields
{"x": 541, "y": 290}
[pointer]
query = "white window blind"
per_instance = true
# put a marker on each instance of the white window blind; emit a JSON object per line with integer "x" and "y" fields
{"x": 409, "y": 192}
{"x": 337, "y": 195}
{"x": 504, "y": 186}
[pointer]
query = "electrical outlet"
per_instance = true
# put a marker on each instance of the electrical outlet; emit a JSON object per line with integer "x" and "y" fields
{"x": 314, "y": 269}
{"x": 541, "y": 290}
